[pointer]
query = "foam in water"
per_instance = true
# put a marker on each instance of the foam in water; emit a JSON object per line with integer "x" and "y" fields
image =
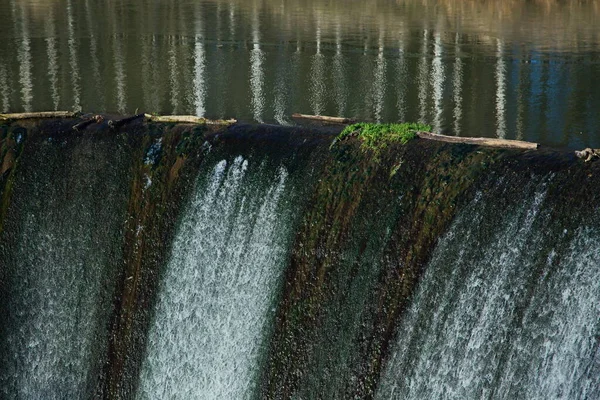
{"x": 216, "y": 296}
{"x": 508, "y": 308}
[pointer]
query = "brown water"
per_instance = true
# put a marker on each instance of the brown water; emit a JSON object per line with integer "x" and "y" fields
{"x": 514, "y": 69}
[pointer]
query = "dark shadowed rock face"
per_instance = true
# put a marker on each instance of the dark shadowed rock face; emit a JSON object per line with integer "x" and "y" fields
{"x": 341, "y": 271}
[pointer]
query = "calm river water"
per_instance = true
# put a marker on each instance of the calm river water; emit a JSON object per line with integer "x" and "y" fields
{"x": 512, "y": 69}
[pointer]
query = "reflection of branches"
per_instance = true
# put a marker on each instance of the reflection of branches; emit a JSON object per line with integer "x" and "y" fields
{"x": 553, "y": 23}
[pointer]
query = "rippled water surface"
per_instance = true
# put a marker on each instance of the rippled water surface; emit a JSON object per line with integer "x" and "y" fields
{"x": 513, "y": 69}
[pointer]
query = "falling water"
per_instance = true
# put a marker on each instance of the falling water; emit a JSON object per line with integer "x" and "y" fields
{"x": 216, "y": 297}
{"x": 57, "y": 264}
{"x": 508, "y": 308}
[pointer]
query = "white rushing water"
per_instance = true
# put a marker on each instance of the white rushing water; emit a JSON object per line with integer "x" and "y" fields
{"x": 506, "y": 310}
{"x": 216, "y": 296}
{"x": 59, "y": 260}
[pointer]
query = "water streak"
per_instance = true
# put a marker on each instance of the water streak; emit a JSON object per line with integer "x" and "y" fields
{"x": 401, "y": 82}
{"x": 199, "y": 90}
{"x": 119, "y": 65}
{"x": 24, "y": 57}
{"x": 379, "y": 82}
{"x": 423, "y": 82}
{"x": 317, "y": 82}
{"x": 99, "y": 95}
{"x": 52, "y": 61}
{"x": 231, "y": 20}
{"x": 280, "y": 105}
{"x": 216, "y": 296}
{"x": 149, "y": 59}
{"x": 339, "y": 74}
{"x": 4, "y": 88}
{"x": 256, "y": 71}
{"x": 73, "y": 61}
{"x": 505, "y": 310}
{"x": 457, "y": 86}
{"x": 500, "y": 91}
{"x": 173, "y": 74}
{"x": 437, "y": 80}
{"x": 521, "y": 107}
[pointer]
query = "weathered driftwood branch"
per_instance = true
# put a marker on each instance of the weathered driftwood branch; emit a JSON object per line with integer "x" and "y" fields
{"x": 489, "y": 142}
{"x": 188, "y": 119}
{"x": 114, "y": 125}
{"x": 96, "y": 119}
{"x": 324, "y": 118}
{"x": 44, "y": 114}
{"x": 588, "y": 154}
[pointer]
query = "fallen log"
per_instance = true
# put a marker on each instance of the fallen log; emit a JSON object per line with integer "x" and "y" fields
{"x": 43, "y": 114}
{"x": 116, "y": 124}
{"x": 324, "y": 118}
{"x": 488, "y": 142}
{"x": 188, "y": 119}
{"x": 96, "y": 119}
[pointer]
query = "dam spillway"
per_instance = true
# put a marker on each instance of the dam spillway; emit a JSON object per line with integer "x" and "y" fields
{"x": 253, "y": 261}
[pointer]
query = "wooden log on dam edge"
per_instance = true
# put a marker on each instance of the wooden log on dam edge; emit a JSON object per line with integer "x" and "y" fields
{"x": 188, "y": 119}
{"x": 43, "y": 114}
{"x": 323, "y": 118}
{"x": 480, "y": 141}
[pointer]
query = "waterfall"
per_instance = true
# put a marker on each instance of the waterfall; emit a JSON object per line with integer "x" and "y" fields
{"x": 165, "y": 265}
{"x": 508, "y": 308}
{"x": 57, "y": 270}
{"x": 216, "y": 298}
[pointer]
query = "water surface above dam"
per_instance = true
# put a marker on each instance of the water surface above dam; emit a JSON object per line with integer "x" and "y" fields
{"x": 512, "y": 69}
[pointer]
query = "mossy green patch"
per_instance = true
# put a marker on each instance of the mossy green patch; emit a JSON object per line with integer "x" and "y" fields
{"x": 379, "y": 136}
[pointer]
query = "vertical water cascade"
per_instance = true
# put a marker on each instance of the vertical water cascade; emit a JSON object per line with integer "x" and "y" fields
{"x": 253, "y": 261}
{"x": 217, "y": 294}
{"x": 508, "y": 308}
{"x": 59, "y": 251}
